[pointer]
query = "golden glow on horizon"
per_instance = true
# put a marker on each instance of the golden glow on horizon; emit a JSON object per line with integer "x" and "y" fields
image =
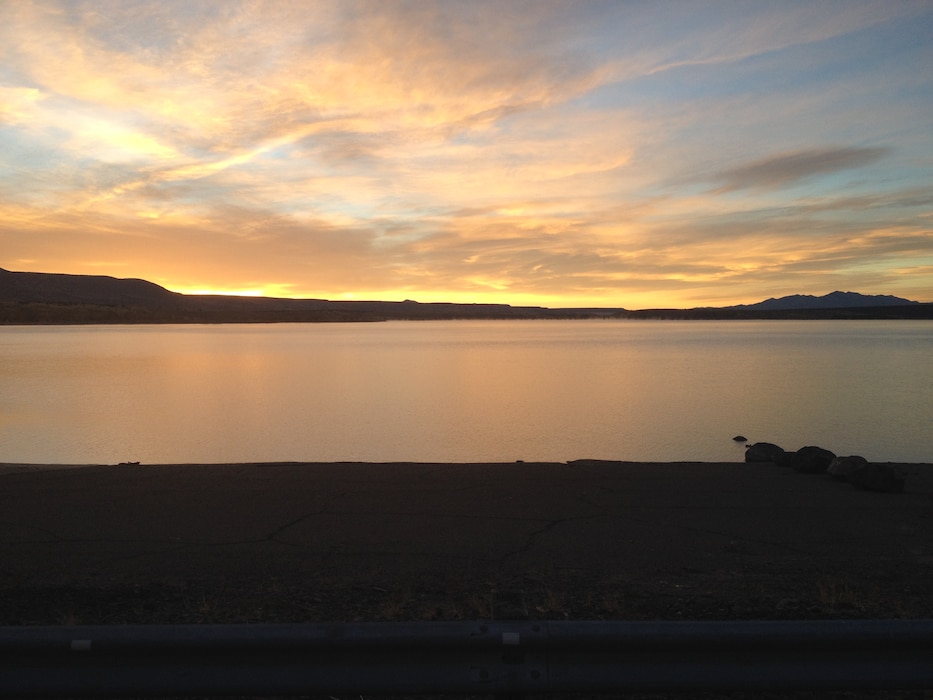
{"x": 269, "y": 290}
{"x": 488, "y": 294}
{"x": 221, "y": 292}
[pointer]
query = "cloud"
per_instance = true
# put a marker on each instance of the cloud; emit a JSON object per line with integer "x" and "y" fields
{"x": 681, "y": 36}
{"x": 213, "y": 88}
{"x": 522, "y": 151}
{"x": 787, "y": 169}
{"x": 18, "y": 104}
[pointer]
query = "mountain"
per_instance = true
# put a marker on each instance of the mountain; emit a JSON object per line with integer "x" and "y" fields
{"x": 50, "y": 288}
{"x": 834, "y": 300}
{"x": 38, "y": 297}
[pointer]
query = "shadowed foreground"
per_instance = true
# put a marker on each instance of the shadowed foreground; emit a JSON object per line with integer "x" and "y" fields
{"x": 350, "y": 541}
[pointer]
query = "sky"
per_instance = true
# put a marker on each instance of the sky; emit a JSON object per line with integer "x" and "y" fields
{"x": 575, "y": 153}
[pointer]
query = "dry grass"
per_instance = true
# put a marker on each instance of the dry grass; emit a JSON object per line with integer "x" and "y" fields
{"x": 554, "y": 595}
{"x": 68, "y": 619}
{"x": 842, "y": 596}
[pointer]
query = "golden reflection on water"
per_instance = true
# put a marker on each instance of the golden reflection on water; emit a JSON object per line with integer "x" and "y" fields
{"x": 463, "y": 391}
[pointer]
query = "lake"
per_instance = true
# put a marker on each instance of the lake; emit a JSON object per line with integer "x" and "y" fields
{"x": 464, "y": 391}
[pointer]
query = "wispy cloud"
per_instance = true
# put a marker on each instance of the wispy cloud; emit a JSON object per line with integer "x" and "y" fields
{"x": 789, "y": 168}
{"x": 534, "y": 152}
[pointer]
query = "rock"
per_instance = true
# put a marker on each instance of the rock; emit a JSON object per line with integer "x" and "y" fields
{"x": 877, "y": 477}
{"x": 812, "y": 460}
{"x": 740, "y": 438}
{"x": 841, "y": 467}
{"x": 762, "y": 452}
{"x": 784, "y": 459}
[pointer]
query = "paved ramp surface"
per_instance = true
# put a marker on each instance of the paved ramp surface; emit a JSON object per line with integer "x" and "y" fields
{"x": 119, "y": 524}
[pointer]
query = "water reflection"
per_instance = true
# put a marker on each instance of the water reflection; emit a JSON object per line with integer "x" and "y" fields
{"x": 463, "y": 391}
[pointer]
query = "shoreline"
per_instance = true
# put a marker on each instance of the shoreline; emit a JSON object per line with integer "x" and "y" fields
{"x": 330, "y": 541}
{"x": 45, "y": 466}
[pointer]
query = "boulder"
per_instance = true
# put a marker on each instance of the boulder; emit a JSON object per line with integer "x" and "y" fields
{"x": 812, "y": 460}
{"x": 762, "y": 452}
{"x": 784, "y": 459}
{"x": 877, "y": 477}
{"x": 740, "y": 438}
{"x": 841, "y": 467}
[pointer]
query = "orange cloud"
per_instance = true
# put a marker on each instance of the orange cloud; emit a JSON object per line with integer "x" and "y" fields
{"x": 491, "y": 151}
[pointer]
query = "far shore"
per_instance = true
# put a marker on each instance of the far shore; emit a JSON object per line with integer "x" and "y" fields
{"x": 76, "y": 465}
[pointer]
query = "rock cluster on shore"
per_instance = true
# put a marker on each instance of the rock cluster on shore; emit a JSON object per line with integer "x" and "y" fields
{"x": 853, "y": 469}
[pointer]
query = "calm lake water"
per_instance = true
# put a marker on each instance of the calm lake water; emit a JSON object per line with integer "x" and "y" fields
{"x": 464, "y": 391}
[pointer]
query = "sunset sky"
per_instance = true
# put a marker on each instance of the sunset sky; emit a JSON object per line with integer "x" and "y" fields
{"x": 634, "y": 154}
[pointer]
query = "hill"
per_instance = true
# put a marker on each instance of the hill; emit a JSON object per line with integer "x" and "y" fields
{"x": 38, "y": 297}
{"x": 50, "y": 288}
{"x": 833, "y": 300}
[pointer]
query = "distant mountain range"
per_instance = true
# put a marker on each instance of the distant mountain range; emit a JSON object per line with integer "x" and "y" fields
{"x": 833, "y": 300}
{"x": 36, "y": 297}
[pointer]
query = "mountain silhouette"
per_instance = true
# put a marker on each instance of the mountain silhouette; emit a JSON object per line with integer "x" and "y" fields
{"x": 41, "y": 297}
{"x": 52, "y": 288}
{"x": 833, "y": 300}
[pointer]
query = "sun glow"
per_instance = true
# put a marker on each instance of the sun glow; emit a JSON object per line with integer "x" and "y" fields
{"x": 200, "y": 291}
{"x": 269, "y": 290}
{"x": 480, "y": 291}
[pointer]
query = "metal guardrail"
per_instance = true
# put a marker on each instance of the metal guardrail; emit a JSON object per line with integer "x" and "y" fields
{"x": 463, "y": 657}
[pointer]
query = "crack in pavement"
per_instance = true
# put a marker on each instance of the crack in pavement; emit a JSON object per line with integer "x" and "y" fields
{"x": 13, "y": 525}
{"x": 548, "y": 526}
